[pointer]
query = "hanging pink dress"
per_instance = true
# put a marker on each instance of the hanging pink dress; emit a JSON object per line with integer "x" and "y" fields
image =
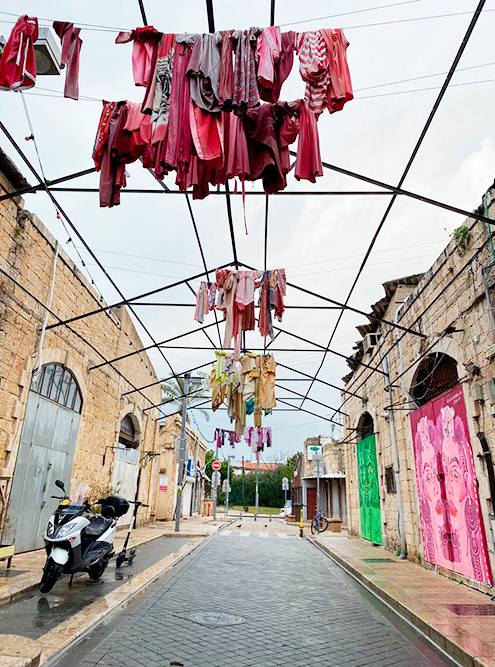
{"x": 340, "y": 89}
{"x": 308, "y": 161}
{"x": 144, "y": 51}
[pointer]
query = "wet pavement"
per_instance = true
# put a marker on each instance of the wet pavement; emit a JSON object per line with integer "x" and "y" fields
{"x": 35, "y": 614}
{"x": 254, "y": 596}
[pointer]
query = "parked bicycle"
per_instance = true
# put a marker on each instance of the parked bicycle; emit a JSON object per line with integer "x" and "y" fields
{"x": 319, "y": 523}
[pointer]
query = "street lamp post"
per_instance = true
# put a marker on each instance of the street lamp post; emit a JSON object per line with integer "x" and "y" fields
{"x": 182, "y": 453}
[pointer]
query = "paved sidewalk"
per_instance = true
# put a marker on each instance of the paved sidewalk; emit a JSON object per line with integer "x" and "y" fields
{"x": 27, "y": 567}
{"x": 436, "y": 605}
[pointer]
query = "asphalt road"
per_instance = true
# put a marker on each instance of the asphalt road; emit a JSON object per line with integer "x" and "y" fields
{"x": 34, "y": 614}
{"x": 254, "y": 597}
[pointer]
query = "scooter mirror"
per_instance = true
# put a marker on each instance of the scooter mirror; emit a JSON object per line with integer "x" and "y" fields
{"x": 60, "y": 485}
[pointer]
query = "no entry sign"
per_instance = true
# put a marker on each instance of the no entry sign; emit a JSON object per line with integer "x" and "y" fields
{"x": 216, "y": 465}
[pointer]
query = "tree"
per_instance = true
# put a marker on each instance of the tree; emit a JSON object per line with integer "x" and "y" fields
{"x": 173, "y": 388}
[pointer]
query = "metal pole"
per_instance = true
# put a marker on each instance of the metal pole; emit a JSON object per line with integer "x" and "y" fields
{"x": 257, "y": 497}
{"x": 318, "y": 485}
{"x": 215, "y": 491}
{"x": 243, "y": 496}
{"x": 395, "y": 460}
{"x": 182, "y": 454}
{"x": 228, "y": 487}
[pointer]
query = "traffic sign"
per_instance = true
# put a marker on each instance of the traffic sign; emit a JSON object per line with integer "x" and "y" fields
{"x": 226, "y": 486}
{"x": 216, "y": 465}
{"x": 285, "y": 484}
{"x": 215, "y": 479}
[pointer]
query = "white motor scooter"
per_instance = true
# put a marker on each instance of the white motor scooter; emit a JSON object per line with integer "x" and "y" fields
{"x": 79, "y": 540}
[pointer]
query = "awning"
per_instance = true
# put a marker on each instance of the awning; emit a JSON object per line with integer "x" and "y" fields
{"x": 329, "y": 475}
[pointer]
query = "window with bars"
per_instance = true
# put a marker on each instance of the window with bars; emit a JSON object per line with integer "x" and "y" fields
{"x": 390, "y": 479}
{"x": 58, "y": 384}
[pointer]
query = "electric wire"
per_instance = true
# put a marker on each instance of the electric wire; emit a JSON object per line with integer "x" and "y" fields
{"x": 356, "y": 11}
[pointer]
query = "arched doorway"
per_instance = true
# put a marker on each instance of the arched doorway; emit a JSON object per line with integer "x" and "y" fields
{"x": 46, "y": 453}
{"x": 436, "y": 374}
{"x": 369, "y": 490}
{"x": 126, "y": 464}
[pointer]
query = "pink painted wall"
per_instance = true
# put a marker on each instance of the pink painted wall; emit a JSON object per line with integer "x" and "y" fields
{"x": 453, "y": 530}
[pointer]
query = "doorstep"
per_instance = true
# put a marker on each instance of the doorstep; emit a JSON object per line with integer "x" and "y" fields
{"x": 435, "y": 605}
{"x": 25, "y": 573}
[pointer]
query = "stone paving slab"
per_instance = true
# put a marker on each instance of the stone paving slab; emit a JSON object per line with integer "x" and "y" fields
{"x": 27, "y": 567}
{"x": 421, "y": 596}
{"x": 298, "y": 608}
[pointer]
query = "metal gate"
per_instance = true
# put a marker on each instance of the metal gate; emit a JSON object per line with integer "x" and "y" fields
{"x": 369, "y": 496}
{"x": 46, "y": 453}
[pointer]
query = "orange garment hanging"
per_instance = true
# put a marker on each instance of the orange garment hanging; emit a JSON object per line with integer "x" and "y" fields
{"x": 267, "y": 382}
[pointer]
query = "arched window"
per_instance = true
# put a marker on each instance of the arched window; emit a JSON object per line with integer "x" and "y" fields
{"x": 437, "y": 373}
{"x": 127, "y": 435}
{"x": 366, "y": 426}
{"x": 58, "y": 384}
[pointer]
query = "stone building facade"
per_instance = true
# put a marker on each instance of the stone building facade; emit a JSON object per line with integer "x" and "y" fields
{"x": 332, "y": 478}
{"x": 433, "y": 494}
{"x": 68, "y": 419}
{"x": 193, "y": 484}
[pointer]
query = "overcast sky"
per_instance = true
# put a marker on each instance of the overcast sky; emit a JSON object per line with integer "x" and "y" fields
{"x": 148, "y": 241}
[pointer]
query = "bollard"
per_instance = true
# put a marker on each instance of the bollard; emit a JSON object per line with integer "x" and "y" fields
{"x": 240, "y": 516}
{"x": 301, "y": 525}
{"x": 270, "y": 518}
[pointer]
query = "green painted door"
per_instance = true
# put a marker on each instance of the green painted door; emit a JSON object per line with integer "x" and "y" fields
{"x": 369, "y": 496}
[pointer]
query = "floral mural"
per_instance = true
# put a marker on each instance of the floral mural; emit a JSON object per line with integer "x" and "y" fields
{"x": 451, "y": 520}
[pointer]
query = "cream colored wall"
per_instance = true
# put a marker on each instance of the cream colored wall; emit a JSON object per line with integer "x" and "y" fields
{"x": 26, "y": 254}
{"x": 463, "y": 306}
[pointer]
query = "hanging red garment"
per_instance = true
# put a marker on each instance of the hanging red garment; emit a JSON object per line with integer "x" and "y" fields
{"x": 207, "y": 134}
{"x": 179, "y": 145}
{"x": 308, "y": 161}
{"x": 157, "y": 99}
{"x": 139, "y": 126}
{"x": 112, "y": 152}
{"x": 18, "y": 61}
{"x": 226, "y": 84}
{"x": 144, "y": 52}
{"x": 340, "y": 88}
{"x": 71, "y": 50}
{"x": 313, "y": 67}
{"x": 282, "y": 68}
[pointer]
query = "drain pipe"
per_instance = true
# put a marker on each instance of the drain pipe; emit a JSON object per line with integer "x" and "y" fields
{"x": 395, "y": 456}
{"x": 410, "y": 399}
{"x": 39, "y": 356}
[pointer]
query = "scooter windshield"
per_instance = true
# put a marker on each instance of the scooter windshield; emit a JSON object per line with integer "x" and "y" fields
{"x": 80, "y": 494}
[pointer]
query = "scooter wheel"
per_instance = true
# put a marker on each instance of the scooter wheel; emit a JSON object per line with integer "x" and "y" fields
{"x": 51, "y": 573}
{"x": 132, "y": 555}
{"x": 119, "y": 560}
{"x": 97, "y": 570}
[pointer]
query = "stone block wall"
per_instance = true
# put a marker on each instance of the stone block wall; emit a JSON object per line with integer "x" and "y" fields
{"x": 450, "y": 296}
{"x": 27, "y": 254}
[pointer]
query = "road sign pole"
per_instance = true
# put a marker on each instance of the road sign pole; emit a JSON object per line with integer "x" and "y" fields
{"x": 214, "y": 489}
{"x": 182, "y": 453}
{"x": 228, "y": 488}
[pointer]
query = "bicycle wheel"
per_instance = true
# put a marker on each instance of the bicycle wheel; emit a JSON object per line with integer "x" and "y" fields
{"x": 314, "y": 527}
{"x": 322, "y": 524}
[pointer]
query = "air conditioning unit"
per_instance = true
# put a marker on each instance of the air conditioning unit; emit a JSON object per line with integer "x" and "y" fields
{"x": 370, "y": 341}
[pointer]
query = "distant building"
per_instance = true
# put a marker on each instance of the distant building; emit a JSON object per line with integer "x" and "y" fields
{"x": 332, "y": 479}
{"x": 250, "y": 466}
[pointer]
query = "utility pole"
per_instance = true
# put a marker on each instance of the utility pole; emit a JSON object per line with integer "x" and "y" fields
{"x": 257, "y": 496}
{"x": 182, "y": 452}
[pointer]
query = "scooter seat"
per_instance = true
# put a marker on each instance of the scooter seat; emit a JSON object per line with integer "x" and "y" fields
{"x": 98, "y": 525}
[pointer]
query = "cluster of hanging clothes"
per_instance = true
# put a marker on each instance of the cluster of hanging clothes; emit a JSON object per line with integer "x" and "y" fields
{"x": 202, "y": 114}
{"x": 246, "y": 385}
{"x": 18, "y": 59}
{"x": 233, "y": 294}
{"x": 221, "y": 434}
{"x": 257, "y": 437}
